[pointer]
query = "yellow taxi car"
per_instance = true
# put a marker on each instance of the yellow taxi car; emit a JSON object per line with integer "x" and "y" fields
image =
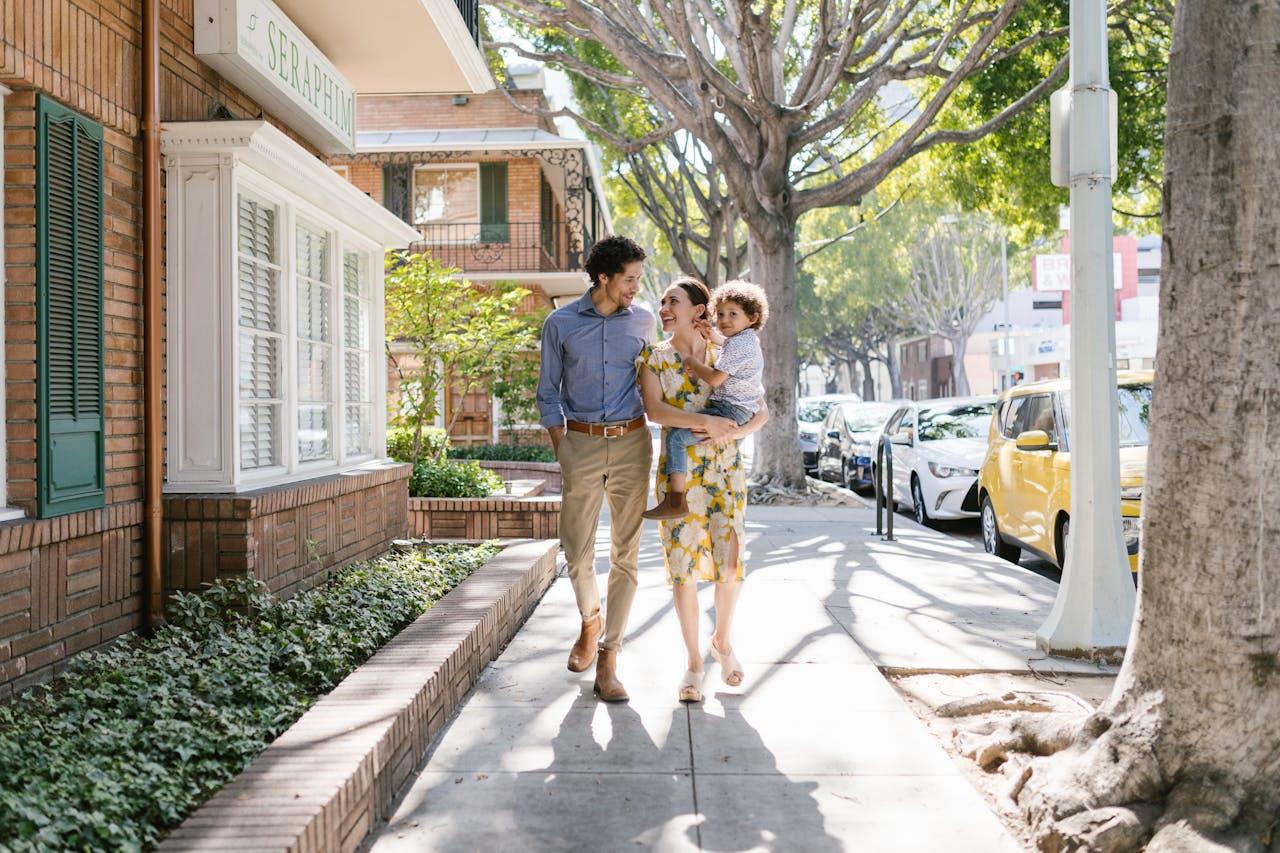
{"x": 1024, "y": 485}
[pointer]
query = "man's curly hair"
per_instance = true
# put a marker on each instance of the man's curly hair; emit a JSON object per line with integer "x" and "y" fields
{"x": 611, "y": 255}
{"x": 749, "y": 297}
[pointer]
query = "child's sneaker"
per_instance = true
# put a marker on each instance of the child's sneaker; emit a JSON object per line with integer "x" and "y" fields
{"x": 673, "y": 507}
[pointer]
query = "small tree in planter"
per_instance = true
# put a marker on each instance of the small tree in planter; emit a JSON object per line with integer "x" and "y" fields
{"x": 449, "y": 330}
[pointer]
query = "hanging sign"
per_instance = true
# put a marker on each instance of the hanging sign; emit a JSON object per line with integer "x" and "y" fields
{"x": 255, "y": 45}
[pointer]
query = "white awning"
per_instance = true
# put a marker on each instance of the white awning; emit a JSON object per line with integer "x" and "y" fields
{"x": 395, "y": 46}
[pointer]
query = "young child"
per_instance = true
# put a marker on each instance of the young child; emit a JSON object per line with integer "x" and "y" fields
{"x": 740, "y": 309}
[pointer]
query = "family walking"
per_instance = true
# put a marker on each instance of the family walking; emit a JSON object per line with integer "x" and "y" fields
{"x": 603, "y": 377}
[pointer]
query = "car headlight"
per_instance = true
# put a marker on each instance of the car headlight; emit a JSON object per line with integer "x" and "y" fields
{"x": 861, "y": 450}
{"x": 1131, "y": 493}
{"x": 948, "y": 471}
{"x": 1132, "y": 526}
{"x": 805, "y": 435}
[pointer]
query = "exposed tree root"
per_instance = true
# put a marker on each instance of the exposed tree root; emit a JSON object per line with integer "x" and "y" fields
{"x": 985, "y": 703}
{"x": 1094, "y": 783}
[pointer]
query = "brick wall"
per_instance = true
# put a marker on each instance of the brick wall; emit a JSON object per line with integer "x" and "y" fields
{"x": 417, "y": 112}
{"x": 291, "y": 537}
{"x": 485, "y": 518}
{"x": 73, "y": 582}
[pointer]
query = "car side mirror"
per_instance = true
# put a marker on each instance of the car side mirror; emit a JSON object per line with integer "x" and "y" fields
{"x": 833, "y": 433}
{"x": 901, "y": 438}
{"x": 1034, "y": 440}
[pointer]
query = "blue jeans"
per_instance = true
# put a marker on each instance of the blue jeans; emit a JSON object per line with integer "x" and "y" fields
{"x": 680, "y": 439}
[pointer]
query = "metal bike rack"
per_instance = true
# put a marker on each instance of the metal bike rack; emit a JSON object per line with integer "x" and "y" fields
{"x": 884, "y": 489}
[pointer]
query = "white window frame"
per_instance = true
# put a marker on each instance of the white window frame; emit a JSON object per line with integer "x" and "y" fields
{"x": 207, "y": 166}
{"x": 413, "y": 196}
{"x": 292, "y": 212}
{"x": 7, "y": 513}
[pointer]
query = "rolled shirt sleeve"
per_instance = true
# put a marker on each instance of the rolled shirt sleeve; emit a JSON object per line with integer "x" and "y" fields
{"x": 550, "y": 378}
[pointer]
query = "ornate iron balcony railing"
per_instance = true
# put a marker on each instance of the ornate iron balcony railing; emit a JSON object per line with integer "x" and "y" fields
{"x": 550, "y": 246}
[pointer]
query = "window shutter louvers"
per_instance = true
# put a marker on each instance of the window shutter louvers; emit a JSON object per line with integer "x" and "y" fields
{"x": 493, "y": 203}
{"x": 69, "y": 231}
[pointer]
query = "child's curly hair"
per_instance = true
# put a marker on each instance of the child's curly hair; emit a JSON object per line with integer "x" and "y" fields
{"x": 749, "y": 297}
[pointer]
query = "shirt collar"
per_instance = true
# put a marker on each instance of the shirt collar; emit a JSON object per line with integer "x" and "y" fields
{"x": 584, "y": 305}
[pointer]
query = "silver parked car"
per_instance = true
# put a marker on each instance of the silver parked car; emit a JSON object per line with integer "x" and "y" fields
{"x": 810, "y": 413}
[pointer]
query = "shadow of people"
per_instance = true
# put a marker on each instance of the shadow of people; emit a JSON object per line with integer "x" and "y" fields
{"x": 617, "y": 781}
{"x": 745, "y": 801}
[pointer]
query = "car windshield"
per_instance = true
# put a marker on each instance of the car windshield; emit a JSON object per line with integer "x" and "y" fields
{"x": 1135, "y": 414}
{"x": 813, "y": 411}
{"x": 861, "y": 417}
{"x": 971, "y": 420}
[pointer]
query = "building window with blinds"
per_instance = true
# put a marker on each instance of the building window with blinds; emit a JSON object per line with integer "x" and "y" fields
{"x": 315, "y": 345}
{"x": 258, "y": 272}
{"x": 357, "y": 355}
{"x": 302, "y": 316}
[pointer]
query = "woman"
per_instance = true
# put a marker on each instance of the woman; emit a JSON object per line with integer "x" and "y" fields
{"x": 705, "y": 544}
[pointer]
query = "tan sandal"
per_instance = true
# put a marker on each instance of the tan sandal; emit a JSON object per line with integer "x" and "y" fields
{"x": 691, "y": 686}
{"x": 729, "y": 666}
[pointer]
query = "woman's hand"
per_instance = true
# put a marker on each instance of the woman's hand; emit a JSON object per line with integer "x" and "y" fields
{"x": 715, "y": 428}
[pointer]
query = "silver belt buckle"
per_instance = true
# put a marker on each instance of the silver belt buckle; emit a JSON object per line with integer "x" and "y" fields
{"x": 614, "y": 431}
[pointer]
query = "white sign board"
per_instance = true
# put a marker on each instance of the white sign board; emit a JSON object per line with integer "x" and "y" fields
{"x": 1053, "y": 273}
{"x": 254, "y": 45}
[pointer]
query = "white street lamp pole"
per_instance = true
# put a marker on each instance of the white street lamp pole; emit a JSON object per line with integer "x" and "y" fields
{"x": 1004, "y": 283}
{"x": 1093, "y": 613}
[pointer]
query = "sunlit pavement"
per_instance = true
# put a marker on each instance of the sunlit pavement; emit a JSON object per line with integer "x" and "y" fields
{"x": 814, "y": 752}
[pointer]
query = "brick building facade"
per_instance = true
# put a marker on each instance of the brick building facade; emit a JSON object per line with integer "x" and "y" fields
{"x": 493, "y": 190}
{"x": 72, "y": 502}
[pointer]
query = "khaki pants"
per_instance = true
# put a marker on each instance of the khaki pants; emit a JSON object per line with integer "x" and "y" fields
{"x": 592, "y": 469}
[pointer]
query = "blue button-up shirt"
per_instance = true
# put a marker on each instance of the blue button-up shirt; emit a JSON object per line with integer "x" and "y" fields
{"x": 589, "y": 364}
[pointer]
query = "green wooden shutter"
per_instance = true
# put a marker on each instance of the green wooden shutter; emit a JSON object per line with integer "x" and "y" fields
{"x": 493, "y": 203}
{"x": 70, "y": 451}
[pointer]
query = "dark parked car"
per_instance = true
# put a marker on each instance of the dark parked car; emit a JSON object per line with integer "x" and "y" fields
{"x": 848, "y": 441}
{"x": 810, "y": 412}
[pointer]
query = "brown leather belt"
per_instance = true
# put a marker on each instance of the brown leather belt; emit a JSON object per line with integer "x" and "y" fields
{"x": 606, "y": 430}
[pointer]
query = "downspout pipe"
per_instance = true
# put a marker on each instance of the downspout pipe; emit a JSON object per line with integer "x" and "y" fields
{"x": 152, "y": 321}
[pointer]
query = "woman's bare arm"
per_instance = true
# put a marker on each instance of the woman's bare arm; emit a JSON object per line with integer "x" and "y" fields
{"x": 661, "y": 412}
{"x": 738, "y": 433}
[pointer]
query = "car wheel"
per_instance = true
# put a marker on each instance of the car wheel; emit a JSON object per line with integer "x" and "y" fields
{"x": 917, "y": 503}
{"x": 991, "y": 539}
{"x": 850, "y": 480}
{"x": 1064, "y": 532}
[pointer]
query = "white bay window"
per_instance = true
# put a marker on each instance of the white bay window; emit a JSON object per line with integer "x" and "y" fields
{"x": 275, "y": 317}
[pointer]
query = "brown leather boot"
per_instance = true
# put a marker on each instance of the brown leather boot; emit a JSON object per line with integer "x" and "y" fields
{"x": 608, "y": 687}
{"x": 583, "y": 653}
{"x": 675, "y": 506}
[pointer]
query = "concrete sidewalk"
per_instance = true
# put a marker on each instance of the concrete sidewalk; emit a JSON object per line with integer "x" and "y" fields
{"x": 815, "y": 752}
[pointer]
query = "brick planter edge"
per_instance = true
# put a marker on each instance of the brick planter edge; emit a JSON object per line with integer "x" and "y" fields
{"x": 323, "y": 784}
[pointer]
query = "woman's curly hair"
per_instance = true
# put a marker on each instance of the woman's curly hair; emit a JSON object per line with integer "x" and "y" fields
{"x": 749, "y": 297}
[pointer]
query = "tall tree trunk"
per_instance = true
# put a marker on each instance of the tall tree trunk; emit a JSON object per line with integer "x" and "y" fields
{"x": 959, "y": 374}
{"x": 1187, "y": 748}
{"x": 892, "y": 364}
{"x": 868, "y": 380}
{"x": 773, "y": 266}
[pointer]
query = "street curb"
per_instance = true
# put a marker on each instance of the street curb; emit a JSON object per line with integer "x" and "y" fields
{"x": 323, "y": 784}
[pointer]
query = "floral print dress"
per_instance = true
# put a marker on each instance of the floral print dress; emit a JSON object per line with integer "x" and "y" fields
{"x": 698, "y": 545}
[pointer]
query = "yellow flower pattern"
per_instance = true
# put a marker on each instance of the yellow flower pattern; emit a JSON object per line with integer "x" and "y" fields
{"x": 697, "y": 546}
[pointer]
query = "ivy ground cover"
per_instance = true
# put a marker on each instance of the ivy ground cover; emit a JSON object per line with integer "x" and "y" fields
{"x": 129, "y": 740}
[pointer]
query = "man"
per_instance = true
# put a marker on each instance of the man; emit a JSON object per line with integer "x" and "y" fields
{"x": 589, "y": 402}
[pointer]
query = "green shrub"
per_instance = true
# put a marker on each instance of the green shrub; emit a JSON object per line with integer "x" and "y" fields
{"x": 504, "y": 452}
{"x": 452, "y": 480}
{"x": 129, "y": 740}
{"x": 400, "y": 443}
